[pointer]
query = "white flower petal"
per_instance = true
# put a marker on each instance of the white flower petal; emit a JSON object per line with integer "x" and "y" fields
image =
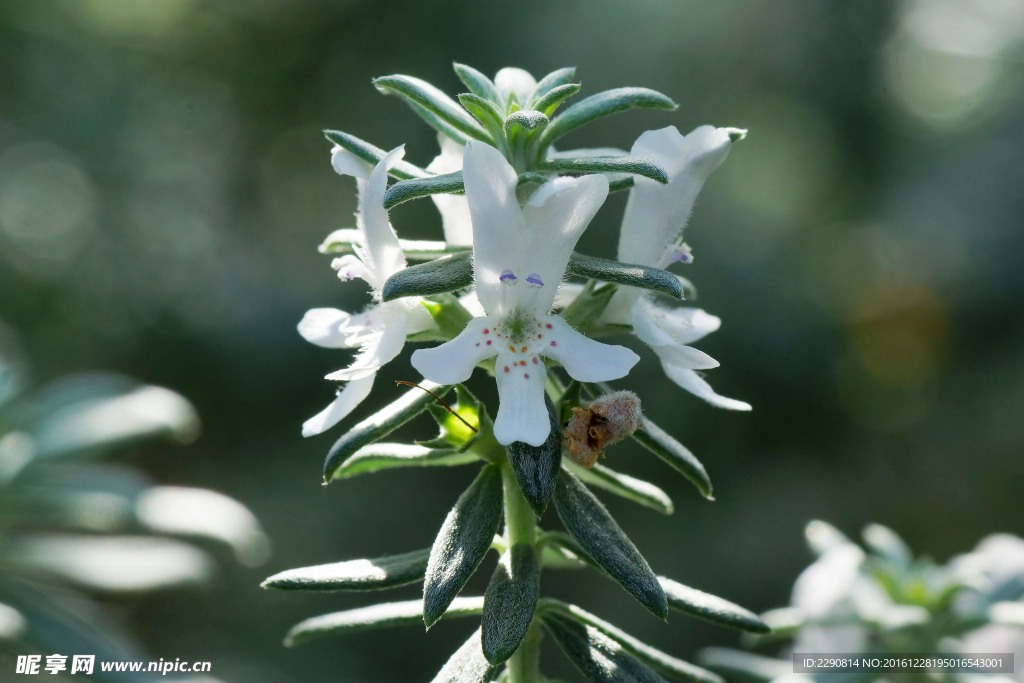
{"x": 347, "y": 163}
{"x": 325, "y": 327}
{"x": 522, "y": 415}
{"x": 685, "y": 357}
{"x": 656, "y": 213}
{"x": 471, "y": 302}
{"x": 567, "y": 293}
{"x": 385, "y": 253}
{"x": 515, "y": 80}
{"x": 378, "y": 349}
{"x": 681, "y": 325}
{"x": 453, "y": 361}
{"x": 695, "y": 384}
{"x": 350, "y": 267}
{"x": 348, "y": 398}
{"x": 583, "y": 358}
{"x": 454, "y": 209}
{"x": 417, "y": 319}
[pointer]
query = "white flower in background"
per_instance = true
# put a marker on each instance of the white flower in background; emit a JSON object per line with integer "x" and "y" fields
{"x": 380, "y": 331}
{"x": 454, "y": 209}
{"x": 519, "y": 258}
{"x": 651, "y": 228}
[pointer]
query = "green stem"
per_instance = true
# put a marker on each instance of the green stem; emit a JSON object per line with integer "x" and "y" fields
{"x": 521, "y": 527}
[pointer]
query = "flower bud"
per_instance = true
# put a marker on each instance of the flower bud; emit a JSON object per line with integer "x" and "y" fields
{"x": 610, "y": 418}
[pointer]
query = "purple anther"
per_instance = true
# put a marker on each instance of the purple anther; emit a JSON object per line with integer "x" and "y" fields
{"x": 508, "y": 277}
{"x": 534, "y": 279}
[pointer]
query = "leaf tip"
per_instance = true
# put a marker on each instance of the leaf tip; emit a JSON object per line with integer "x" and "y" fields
{"x": 736, "y": 134}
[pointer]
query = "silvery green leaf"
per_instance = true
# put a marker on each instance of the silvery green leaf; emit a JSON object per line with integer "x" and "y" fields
{"x": 711, "y": 607}
{"x": 619, "y": 181}
{"x": 509, "y": 602}
{"x": 630, "y": 274}
{"x": 462, "y": 543}
{"x": 427, "y": 97}
{"x": 553, "y": 80}
{"x": 606, "y": 544}
{"x": 744, "y": 664}
{"x": 526, "y": 119}
{"x": 468, "y": 665}
{"x": 598, "y": 657}
{"x": 440, "y": 276}
{"x": 601, "y": 104}
{"x": 486, "y": 112}
{"x": 584, "y": 152}
{"x": 384, "y": 615}
{"x": 628, "y": 164}
{"x": 384, "y": 456}
{"x": 439, "y": 124}
{"x": 559, "y": 556}
{"x": 530, "y": 178}
{"x": 414, "y": 188}
{"x": 372, "y": 155}
{"x": 659, "y": 661}
{"x": 567, "y": 548}
{"x": 449, "y": 315}
{"x": 390, "y": 571}
{"x": 380, "y": 424}
{"x": 536, "y": 467}
{"x": 344, "y": 241}
{"x": 662, "y": 444}
{"x": 584, "y": 313}
{"x": 887, "y": 543}
{"x": 554, "y": 97}
{"x": 628, "y": 487}
{"x": 478, "y": 84}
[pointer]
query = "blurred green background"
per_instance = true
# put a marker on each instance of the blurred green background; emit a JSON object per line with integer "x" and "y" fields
{"x": 164, "y": 185}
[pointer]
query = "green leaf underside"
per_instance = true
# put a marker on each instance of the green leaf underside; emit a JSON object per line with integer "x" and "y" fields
{"x": 602, "y": 104}
{"x": 711, "y": 607}
{"x": 386, "y": 456}
{"x": 606, "y": 544}
{"x": 632, "y": 165}
{"x": 536, "y": 468}
{"x": 526, "y": 119}
{"x": 450, "y": 316}
{"x": 478, "y": 84}
{"x": 468, "y": 664}
{"x": 438, "y": 124}
{"x": 554, "y": 98}
{"x": 629, "y": 274}
{"x": 660, "y": 661}
{"x": 383, "y": 615}
{"x": 623, "y": 485}
{"x": 429, "y": 98}
{"x": 552, "y": 81}
{"x": 372, "y": 155}
{"x": 414, "y": 188}
{"x": 462, "y": 543}
{"x": 597, "y": 656}
{"x": 440, "y": 276}
{"x": 355, "y": 575}
{"x": 510, "y": 602}
{"x": 744, "y": 664}
{"x": 662, "y": 444}
{"x": 380, "y": 424}
{"x": 486, "y": 112}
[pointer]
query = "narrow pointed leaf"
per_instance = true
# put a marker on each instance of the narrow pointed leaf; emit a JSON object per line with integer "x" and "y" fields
{"x": 372, "y": 155}
{"x": 428, "y": 97}
{"x": 404, "y": 190}
{"x": 556, "y": 556}
{"x": 630, "y": 274}
{"x": 449, "y": 315}
{"x": 355, "y": 575}
{"x": 536, "y": 467}
{"x": 606, "y": 544}
{"x": 380, "y": 424}
{"x": 344, "y": 241}
{"x": 628, "y": 487}
{"x": 439, "y": 124}
{"x": 662, "y": 444}
{"x": 660, "y": 661}
{"x": 486, "y": 112}
{"x": 711, "y": 607}
{"x": 602, "y": 104}
{"x": 629, "y": 164}
{"x": 554, "y": 97}
{"x": 746, "y": 665}
{"x": 440, "y": 276}
{"x": 617, "y": 182}
{"x": 598, "y": 657}
{"x": 478, "y": 84}
{"x": 510, "y": 602}
{"x": 385, "y": 456}
{"x": 553, "y": 80}
{"x": 526, "y": 119}
{"x": 468, "y": 665}
{"x": 384, "y": 615}
{"x": 462, "y": 543}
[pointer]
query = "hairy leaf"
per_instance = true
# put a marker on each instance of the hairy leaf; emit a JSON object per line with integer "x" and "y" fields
{"x": 426, "y": 96}
{"x": 440, "y": 276}
{"x": 372, "y": 155}
{"x": 662, "y": 444}
{"x": 510, "y": 601}
{"x": 619, "y": 181}
{"x": 355, "y": 575}
{"x": 633, "y": 165}
{"x": 628, "y": 487}
{"x": 536, "y": 467}
{"x": 414, "y": 188}
{"x": 553, "y": 80}
{"x": 468, "y": 664}
{"x": 554, "y": 97}
{"x": 450, "y": 316}
{"x": 527, "y": 119}
{"x": 711, "y": 607}
{"x": 384, "y": 456}
{"x": 630, "y": 274}
{"x": 478, "y": 84}
{"x": 487, "y": 113}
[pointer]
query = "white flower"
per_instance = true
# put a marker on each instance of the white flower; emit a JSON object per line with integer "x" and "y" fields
{"x": 379, "y": 332}
{"x": 519, "y": 257}
{"x": 654, "y": 219}
{"x": 458, "y": 226}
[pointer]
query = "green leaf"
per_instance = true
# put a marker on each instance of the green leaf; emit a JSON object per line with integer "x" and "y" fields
{"x": 510, "y": 601}
{"x": 455, "y": 432}
{"x": 555, "y": 554}
{"x": 584, "y": 313}
{"x": 598, "y": 657}
{"x": 744, "y": 664}
{"x": 435, "y": 102}
{"x": 711, "y": 607}
{"x": 462, "y": 543}
{"x": 526, "y": 119}
{"x": 468, "y": 665}
{"x": 602, "y": 104}
{"x": 385, "y": 456}
{"x": 343, "y": 241}
{"x": 414, "y": 188}
{"x": 478, "y": 84}
{"x": 439, "y": 124}
{"x": 487, "y": 113}
{"x": 619, "y": 181}
{"x": 633, "y": 165}
{"x": 628, "y": 487}
{"x": 355, "y": 575}
{"x": 606, "y": 544}
{"x": 383, "y": 615}
{"x": 659, "y": 661}
{"x": 554, "y": 97}
{"x": 380, "y": 424}
{"x": 372, "y": 155}
{"x": 629, "y": 274}
{"x": 440, "y": 276}
{"x": 449, "y": 315}
{"x": 662, "y": 444}
{"x": 536, "y": 467}
{"x": 552, "y": 81}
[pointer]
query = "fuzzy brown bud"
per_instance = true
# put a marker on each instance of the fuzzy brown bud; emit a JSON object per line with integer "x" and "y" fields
{"x": 606, "y": 420}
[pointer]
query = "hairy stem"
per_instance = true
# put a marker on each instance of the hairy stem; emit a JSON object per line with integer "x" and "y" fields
{"x": 521, "y": 527}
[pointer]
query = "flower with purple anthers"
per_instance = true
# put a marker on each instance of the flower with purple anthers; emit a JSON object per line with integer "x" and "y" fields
{"x": 680, "y": 253}
{"x": 511, "y": 242}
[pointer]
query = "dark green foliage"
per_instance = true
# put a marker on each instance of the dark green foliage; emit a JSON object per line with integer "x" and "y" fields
{"x": 355, "y": 575}
{"x": 536, "y": 467}
{"x": 440, "y": 276}
{"x": 510, "y": 601}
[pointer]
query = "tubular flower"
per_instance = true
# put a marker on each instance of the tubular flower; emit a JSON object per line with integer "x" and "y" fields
{"x": 519, "y": 257}
{"x": 651, "y": 229}
{"x": 379, "y": 331}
